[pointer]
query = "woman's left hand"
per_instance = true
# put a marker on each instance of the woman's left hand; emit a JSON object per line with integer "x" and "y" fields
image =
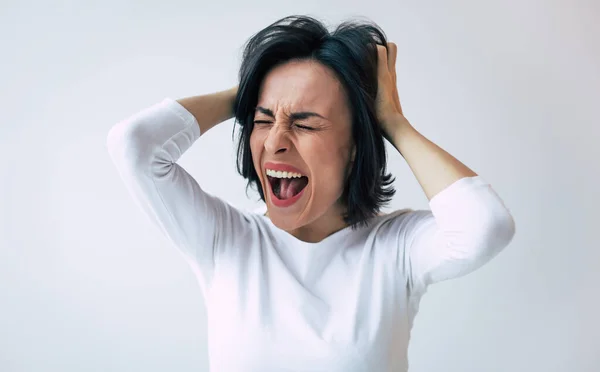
{"x": 389, "y": 110}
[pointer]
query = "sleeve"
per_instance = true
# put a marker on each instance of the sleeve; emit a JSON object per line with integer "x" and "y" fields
{"x": 145, "y": 148}
{"x": 466, "y": 227}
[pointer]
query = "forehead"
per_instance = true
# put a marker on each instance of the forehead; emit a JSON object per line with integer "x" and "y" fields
{"x": 302, "y": 85}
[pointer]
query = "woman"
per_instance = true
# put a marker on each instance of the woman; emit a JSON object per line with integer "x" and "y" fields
{"x": 323, "y": 281}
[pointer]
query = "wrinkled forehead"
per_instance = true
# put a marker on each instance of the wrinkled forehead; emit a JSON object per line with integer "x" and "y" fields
{"x": 302, "y": 85}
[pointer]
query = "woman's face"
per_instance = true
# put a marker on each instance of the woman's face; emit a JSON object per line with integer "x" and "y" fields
{"x": 302, "y": 144}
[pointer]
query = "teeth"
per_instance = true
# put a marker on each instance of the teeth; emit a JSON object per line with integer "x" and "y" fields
{"x": 280, "y": 174}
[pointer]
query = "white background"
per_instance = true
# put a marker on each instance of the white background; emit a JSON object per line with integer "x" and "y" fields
{"x": 511, "y": 88}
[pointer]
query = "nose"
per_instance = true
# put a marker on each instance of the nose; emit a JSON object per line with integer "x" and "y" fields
{"x": 277, "y": 140}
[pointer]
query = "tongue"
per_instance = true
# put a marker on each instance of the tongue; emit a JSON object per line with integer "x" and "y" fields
{"x": 291, "y": 186}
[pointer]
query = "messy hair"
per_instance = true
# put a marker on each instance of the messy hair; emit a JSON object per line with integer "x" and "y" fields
{"x": 350, "y": 51}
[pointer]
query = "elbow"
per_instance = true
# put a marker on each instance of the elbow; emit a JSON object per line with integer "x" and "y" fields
{"x": 502, "y": 227}
{"x": 127, "y": 144}
{"x": 114, "y": 139}
{"x": 495, "y": 233}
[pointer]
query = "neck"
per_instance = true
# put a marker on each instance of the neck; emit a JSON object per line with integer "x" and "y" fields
{"x": 322, "y": 227}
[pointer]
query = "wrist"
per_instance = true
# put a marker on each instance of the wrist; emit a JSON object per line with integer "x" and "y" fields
{"x": 230, "y": 95}
{"x": 396, "y": 125}
{"x": 401, "y": 131}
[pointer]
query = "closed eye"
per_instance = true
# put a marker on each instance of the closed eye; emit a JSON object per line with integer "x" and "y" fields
{"x": 299, "y": 126}
{"x": 304, "y": 127}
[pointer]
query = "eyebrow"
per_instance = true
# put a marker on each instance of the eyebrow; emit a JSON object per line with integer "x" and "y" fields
{"x": 293, "y": 116}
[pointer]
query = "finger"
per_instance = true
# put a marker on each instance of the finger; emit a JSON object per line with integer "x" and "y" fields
{"x": 391, "y": 62}
{"x": 391, "y": 59}
{"x": 391, "y": 55}
{"x": 381, "y": 58}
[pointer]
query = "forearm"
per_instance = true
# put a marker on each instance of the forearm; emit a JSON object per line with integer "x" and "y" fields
{"x": 210, "y": 109}
{"x": 434, "y": 168}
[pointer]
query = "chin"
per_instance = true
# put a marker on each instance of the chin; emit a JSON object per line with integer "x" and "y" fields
{"x": 286, "y": 221}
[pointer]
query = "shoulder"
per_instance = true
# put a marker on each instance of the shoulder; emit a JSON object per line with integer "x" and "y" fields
{"x": 397, "y": 226}
{"x": 259, "y": 223}
{"x": 243, "y": 228}
{"x": 400, "y": 218}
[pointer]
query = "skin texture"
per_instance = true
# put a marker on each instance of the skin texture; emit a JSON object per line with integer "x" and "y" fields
{"x": 323, "y": 153}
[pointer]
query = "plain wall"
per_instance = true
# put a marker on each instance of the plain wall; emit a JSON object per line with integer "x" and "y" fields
{"x": 511, "y": 88}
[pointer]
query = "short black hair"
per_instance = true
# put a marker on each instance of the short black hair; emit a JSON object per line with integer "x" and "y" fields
{"x": 350, "y": 51}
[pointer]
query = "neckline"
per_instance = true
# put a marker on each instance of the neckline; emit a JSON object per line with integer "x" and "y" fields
{"x": 335, "y": 236}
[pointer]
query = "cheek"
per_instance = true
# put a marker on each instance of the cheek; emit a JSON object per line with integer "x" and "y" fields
{"x": 328, "y": 165}
{"x": 256, "y": 145}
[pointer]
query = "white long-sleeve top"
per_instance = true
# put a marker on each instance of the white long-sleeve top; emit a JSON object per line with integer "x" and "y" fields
{"x": 276, "y": 303}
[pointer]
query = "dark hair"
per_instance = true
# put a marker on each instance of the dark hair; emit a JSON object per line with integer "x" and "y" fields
{"x": 350, "y": 51}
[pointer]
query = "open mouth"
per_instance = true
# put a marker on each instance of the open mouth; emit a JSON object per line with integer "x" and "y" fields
{"x": 286, "y": 185}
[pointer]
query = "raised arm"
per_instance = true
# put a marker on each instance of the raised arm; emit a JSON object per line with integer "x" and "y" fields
{"x": 468, "y": 223}
{"x": 467, "y": 226}
{"x": 211, "y": 109}
{"x": 145, "y": 148}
